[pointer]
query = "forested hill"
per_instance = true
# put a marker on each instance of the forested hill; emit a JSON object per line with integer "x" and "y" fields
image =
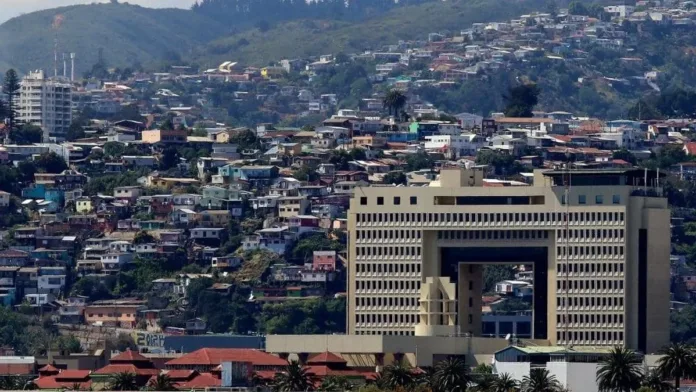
{"x": 127, "y": 35}
{"x": 262, "y": 12}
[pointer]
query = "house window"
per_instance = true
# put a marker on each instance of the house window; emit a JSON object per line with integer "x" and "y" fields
{"x": 363, "y": 201}
{"x": 599, "y": 199}
{"x": 582, "y": 199}
{"x": 397, "y": 200}
{"x": 413, "y": 200}
{"x": 616, "y": 199}
{"x": 380, "y": 201}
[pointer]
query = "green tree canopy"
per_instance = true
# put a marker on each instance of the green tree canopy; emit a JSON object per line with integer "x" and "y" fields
{"x": 520, "y": 100}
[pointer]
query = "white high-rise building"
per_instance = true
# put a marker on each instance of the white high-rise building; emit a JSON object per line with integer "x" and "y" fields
{"x": 46, "y": 103}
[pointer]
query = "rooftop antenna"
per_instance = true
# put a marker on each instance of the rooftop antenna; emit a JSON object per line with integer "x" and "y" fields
{"x": 65, "y": 67}
{"x": 72, "y": 67}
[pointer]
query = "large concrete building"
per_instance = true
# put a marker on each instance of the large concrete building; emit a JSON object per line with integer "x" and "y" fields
{"x": 600, "y": 255}
{"x": 46, "y": 103}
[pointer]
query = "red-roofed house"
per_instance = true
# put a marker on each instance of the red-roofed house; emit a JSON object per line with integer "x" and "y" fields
{"x": 129, "y": 362}
{"x": 51, "y": 378}
{"x": 191, "y": 379}
{"x": 690, "y": 148}
{"x": 208, "y": 359}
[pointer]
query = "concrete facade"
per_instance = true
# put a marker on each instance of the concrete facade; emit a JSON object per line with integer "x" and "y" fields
{"x": 46, "y": 103}
{"x": 597, "y": 281}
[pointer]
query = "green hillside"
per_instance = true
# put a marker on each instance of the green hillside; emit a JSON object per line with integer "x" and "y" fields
{"x": 312, "y": 37}
{"x": 127, "y": 34}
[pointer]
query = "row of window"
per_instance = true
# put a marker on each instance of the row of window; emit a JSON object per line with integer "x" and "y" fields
{"x": 513, "y": 217}
{"x": 387, "y": 301}
{"x": 388, "y": 251}
{"x": 412, "y": 200}
{"x": 599, "y": 199}
{"x": 492, "y": 234}
{"x": 388, "y": 285}
{"x": 591, "y": 318}
{"x": 590, "y": 335}
{"x": 400, "y": 333}
{"x": 388, "y": 234}
{"x": 388, "y": 268}
{"x": 589, "y": 301}
{"x": 592, "y": 235}
{"x": 387, "y": 318}
{"x": 589, "y": 251}
{"x": 593, "y": 284}
{"x": 590, "y": 267}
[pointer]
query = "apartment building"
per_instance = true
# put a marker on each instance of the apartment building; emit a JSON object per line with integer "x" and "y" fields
{"x": 417, "y": 255}
{"x": 46, "y": 103}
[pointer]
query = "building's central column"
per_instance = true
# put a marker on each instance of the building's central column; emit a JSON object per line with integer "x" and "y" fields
{"x": 470, "y": 290}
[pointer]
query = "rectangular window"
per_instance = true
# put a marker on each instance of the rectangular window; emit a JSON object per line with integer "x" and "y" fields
{"x": 380, "y": 200}
{"x": 413, "y": 200}
{"x": 582, "y": 199}
{"x": 599, "y": 199}
{"x": 397, "y": 200}
{"x": 363, "y": 201}
{"x": 616, "y": 199}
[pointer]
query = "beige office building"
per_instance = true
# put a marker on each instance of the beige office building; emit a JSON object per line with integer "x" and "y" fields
{"x": 601, "y": 277}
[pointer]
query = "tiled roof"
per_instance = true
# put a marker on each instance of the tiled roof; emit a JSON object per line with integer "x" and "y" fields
{"x": 326, "y": 357}
{"x": 129, "y": 356}
{"x": 51, "y": 383}
{"x": 13, "y": 253}
{"x": 48, "y": 368}
{"x": 72, "y": 375}
{"x": 16, "y": 369}
{"x": 200, "y": 381}
{"x": 126, "y": 368}
{"x": 215, "y": 356}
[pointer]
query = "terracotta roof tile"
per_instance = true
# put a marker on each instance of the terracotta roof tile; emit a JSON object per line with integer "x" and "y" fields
{"x": 326, "y": 357}
{"x": 203, "y": 380}
{"x": 215, "y": 356}
{"x": 129, "y": 356}
{"x": 126, "y": 368}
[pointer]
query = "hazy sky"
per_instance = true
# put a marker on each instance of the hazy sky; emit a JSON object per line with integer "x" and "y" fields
{"x": 12, "y": 8}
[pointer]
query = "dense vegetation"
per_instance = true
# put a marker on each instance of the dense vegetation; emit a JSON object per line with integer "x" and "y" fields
{"x": 127, "y": 34}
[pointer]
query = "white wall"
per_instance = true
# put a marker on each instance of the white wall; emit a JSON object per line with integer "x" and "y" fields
{"x": 515, "y": 369}
{"x": 577, "y": 377}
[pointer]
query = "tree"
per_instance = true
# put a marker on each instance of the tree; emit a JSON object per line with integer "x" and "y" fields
{"x": 124, "y": 381}
{"x": 121, "y": 342}
{"x": 419, "y": 161}
{"x": 452, "y": 374}
{"x": 305, "y": 173}
{"x": 620, "y": 371}
{"x": 336, "y": 384}
{"x": 294, "y": 378}
{"x": 50, "y": 162}
{"x": 161, "y": 383}
{"x": 395, "y": 177}
{"x": 625, "y": 155}
{"x": 68, "y": 343}
{"x": 520, "y": 100}
{"x": 394, "y": 101}
{"x": 26, "y": 134}
{"x": 505, "y": 383}
{"x": 653, "y": 380}
{"x": 11, "y": 88}
{"x": 678, "y": 361}
{"x": 540, "y": 380}
{"x": 143, "y": 237}
{"x": 397, "y": 375}
{"x": 170, "y": 158}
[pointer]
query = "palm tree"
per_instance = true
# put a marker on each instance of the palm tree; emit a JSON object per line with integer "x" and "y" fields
{"x": 336, "y": 384}
{"x": 294, "y": 378}
{"x": 505, "y": 383}
{"x": 540, "y": 380}
{"x": 452, "y": 375}
{"x": 654, "y": 381}
{"x": 678, "y": 361}
{"x": 394, "y": 101}
{"x": 124, "y": 381}
{"x": 397, "y": 375}
{"x": 620, "y": 371}
{"x": 161, "y": 383}
{"x": 484, "y": 382}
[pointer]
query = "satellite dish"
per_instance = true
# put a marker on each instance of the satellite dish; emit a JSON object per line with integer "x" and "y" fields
{"x": 251, "y": 298}
{"x": 507, "y": 337}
